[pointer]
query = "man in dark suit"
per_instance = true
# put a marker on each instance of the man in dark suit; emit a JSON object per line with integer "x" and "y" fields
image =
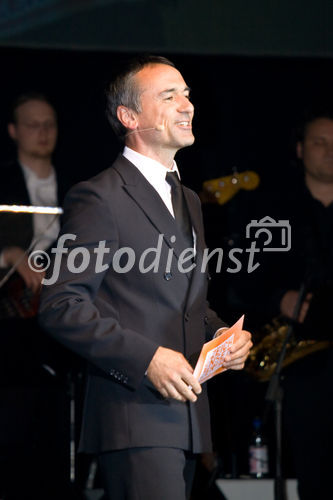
{"x": 33, "y": 445}
{"x": 131, "y": 295}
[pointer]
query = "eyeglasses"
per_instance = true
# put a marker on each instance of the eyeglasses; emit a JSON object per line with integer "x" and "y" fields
{"x": 37, "y": 126}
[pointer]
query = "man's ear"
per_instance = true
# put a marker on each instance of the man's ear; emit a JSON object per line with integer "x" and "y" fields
{"x": 127, "y": 117}
{"x": 299, "y": 150}
{"x": 12, "y": 131}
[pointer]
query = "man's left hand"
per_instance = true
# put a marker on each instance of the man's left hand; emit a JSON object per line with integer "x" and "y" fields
{"x": 239, "y": 352}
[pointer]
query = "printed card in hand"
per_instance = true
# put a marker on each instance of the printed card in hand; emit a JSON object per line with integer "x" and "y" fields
{"x": 213, "y": 353}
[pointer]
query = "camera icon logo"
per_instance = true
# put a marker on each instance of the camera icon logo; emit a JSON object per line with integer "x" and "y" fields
{"x": 277, "y": 234}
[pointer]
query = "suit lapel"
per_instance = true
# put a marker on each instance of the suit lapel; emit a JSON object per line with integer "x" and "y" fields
{"x": 195, "y": 217}
{"x": 18, "y": 186}
{"x": 149, "y": 201}
{"x": 197, "y": 276}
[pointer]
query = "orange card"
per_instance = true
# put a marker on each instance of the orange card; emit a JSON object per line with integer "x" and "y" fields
{"x": 212, "y": 354}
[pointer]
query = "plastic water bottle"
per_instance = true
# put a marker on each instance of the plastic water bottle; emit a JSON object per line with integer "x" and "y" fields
{"x": 258, "y": 452}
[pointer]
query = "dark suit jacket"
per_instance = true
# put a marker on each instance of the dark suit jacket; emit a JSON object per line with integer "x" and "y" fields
{"x": 117, "y": 320}
{"x": 21, "y": 338}
{"x": 17, "y": 229}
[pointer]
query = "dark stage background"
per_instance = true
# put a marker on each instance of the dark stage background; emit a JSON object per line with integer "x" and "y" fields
{"x": 246, "y": 108}
{"x": 253, "y": 67}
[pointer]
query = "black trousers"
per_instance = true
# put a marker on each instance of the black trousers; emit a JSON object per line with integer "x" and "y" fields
{"x": 147, "y": 474}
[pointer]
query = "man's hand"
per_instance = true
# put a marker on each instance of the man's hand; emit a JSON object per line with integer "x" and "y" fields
{"x": 31, "y": 278}
{"x": 288, "y": 304}
{"x": 239, "y": 352}
{"x": 172, "y": 375}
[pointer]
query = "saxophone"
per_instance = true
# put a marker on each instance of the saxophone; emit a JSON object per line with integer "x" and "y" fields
{"x": 264, "y": 355}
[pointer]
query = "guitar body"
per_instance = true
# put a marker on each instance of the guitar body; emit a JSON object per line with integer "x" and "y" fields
{"x": 16, "y": 300}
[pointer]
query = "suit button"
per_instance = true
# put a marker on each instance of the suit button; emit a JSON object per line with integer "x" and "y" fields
{"x": 167, "y": 276}
{"x": 187, "y": 316}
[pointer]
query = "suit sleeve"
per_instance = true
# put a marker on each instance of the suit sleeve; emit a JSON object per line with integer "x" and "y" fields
{"x": 68, "y": 311}
{"x": 213, "y": 322}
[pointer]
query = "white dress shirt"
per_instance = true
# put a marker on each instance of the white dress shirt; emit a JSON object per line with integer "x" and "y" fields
{"x": 42, "y": 192}
{"x": 155, "y": 174}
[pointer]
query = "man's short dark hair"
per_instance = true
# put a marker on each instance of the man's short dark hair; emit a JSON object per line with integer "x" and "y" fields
{"x": 309, "y": 116}
{"x": 24, "y": 98}
{"x": 123, "y": 91}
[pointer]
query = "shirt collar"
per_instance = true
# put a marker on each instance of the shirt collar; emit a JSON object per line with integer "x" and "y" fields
{"x": 151, "y": 169}
{"x": 30, "y": 175}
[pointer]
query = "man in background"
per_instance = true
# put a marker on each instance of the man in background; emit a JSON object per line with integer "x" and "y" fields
{"x": 30, "y": 180}
{"x": 32, "y": 418}
{"x": 308, "y": 383}
{"x": 306, "y": 201}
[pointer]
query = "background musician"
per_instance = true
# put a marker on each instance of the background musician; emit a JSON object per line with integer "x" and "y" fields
{"x": 33, "y": 425}
{"x": 305, "y": 199}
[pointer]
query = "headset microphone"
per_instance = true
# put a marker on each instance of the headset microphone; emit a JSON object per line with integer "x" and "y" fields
{"x": 159, "y": 128}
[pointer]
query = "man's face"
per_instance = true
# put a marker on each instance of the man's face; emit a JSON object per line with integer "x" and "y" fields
{"x": 165, "y": 104}
{"x": 317, "y": 150}
{"x": 35, "y": 130}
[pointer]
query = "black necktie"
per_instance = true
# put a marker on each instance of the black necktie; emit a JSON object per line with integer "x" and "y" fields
{"x": 179, "y": 207}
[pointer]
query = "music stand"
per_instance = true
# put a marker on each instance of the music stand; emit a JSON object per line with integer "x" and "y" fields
{"x": 274, "y": 395}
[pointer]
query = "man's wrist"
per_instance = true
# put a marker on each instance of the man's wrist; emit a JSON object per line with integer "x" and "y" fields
{"x": 220, "y": 331}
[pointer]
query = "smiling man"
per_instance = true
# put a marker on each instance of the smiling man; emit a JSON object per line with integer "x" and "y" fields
{"x": 164, "y": 123}
{"x": 146, "y": 416}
